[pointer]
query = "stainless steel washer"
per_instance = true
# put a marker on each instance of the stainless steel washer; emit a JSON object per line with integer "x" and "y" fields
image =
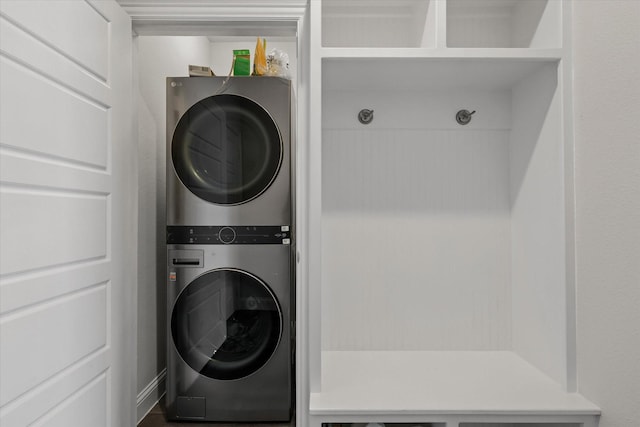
{"x": 229, "y": 151}
{"x": 230, "y": 308}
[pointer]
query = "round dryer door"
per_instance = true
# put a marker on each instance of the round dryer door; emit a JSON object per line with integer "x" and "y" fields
{"x": 226, "y": 149}
{"x": 226, "y": 324}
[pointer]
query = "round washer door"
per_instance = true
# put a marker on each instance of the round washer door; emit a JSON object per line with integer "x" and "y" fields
{"x": 226, "y": 324}
{"x": 226, "y": 149}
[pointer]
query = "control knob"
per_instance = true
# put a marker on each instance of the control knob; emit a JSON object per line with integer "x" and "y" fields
{"x": 227, "y": 235}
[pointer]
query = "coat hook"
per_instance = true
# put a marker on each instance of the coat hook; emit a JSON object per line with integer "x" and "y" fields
{"x": 463, "y": 117}
{"x": 365, "y": 116}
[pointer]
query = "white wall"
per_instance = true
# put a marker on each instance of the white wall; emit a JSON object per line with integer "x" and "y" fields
{"x": 607, "y": 106}
{"x": 158, "y": 58}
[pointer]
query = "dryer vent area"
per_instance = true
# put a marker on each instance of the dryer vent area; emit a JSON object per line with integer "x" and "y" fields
{"x": 441, "y": 236}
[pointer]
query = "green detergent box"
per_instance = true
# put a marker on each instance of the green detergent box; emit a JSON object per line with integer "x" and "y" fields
{"x": 242, "y": 62}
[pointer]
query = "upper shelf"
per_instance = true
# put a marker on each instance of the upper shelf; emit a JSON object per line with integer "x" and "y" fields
{"x": 378, "y": 23}
{"x": 369, "y": 74}
{"x": 440, "y": 24}
{"x": 504, "y": 23}
{"x": 444, "y": 53}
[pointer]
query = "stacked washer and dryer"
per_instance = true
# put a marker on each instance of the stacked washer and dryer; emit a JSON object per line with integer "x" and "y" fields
{"x": 229, "y": 245}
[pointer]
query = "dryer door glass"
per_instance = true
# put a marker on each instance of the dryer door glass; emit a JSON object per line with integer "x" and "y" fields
{"x": 226, "y": 324}
{"x": 226, "y": 149}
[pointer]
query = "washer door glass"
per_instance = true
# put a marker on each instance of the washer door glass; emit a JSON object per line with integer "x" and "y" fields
{"x": 226, "y": 324}
{"x": 226, "y": 149}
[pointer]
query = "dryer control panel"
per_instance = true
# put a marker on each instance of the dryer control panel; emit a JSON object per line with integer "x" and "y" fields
{"x": 227, "y": 235}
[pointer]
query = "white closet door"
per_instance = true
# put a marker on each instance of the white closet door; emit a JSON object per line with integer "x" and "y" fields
{"x": 67, "y": 215}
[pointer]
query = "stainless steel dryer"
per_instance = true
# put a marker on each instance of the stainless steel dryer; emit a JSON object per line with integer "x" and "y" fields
{"x": 228, "y": 151}
{"x": 229, "y": 319}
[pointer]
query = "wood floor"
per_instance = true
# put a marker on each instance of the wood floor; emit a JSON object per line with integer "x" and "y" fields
{"x": 156, "y": 418}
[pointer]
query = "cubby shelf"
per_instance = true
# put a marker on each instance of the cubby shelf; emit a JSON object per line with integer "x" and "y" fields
{"x": 375, "y": 23}
{"x": 440, "y": 383}
{"x": 504, "y": 23}
{"x": 449, "y": 53}
{"x": 422, "y": 74}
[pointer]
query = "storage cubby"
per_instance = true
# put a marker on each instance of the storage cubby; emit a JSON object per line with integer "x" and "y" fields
{"x": 438, "y": 236}
{"x": 504, "y": 23}
{"x": 443, "y": 245}
{"x": 378, "y": 23}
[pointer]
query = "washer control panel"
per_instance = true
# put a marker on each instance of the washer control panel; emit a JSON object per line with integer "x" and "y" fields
{"x": 228, "y": 235}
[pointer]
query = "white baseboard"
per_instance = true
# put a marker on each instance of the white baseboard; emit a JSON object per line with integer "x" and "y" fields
{"x": 150, "y": 395}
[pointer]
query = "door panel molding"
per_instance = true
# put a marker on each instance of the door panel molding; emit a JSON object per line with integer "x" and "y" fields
{"x": 68, "y": 214}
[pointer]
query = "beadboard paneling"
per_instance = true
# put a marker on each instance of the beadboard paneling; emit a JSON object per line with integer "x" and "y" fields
{"x": 404, "y": 171}
{"x": 416, "y": 240}
{"x": 414, "y": 109}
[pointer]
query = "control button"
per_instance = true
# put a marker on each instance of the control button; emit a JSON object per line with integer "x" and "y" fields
{"x": 227, "y": 235}
{"x": 284, "y": 228}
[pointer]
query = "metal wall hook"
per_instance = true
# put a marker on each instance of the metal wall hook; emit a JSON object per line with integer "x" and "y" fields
{"x": 365, "y": 116}
{"x": 463, "y": 117}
